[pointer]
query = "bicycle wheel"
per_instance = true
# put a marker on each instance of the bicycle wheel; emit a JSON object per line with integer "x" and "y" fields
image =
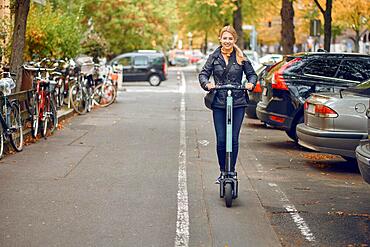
{"x": 53, "y": 117}
{"x": 50, "y": 120}
{"x": 15, "y": 126}
{"x": 1, "y": 141}
{"x": 105, "y": 94}
{"x": 90, "y": 99}
{"x": 61, "y": 93}
{"x": 35, "y": 115}
{"x": 78, "y": 99}
{"x": 44, "y": 120}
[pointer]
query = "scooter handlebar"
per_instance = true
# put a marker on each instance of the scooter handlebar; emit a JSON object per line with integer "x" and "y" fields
{"x": 228, "y": 87}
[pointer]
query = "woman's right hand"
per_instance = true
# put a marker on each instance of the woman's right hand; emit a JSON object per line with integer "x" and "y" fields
{"x": 210, "y": 85}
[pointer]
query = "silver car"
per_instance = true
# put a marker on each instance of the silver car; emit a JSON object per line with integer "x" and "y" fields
{"x": 335, "y": 123}
{"x": 363, "y": 154}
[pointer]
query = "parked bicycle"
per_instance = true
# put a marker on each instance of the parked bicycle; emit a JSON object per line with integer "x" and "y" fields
{"x": 80, "y": 93}
{"x": 105, "y": 93}
{"x": 11, "y": 122}
{"x": 43, "y": 110}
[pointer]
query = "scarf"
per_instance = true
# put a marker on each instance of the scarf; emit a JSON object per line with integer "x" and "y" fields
{"x": 227, "y": 52}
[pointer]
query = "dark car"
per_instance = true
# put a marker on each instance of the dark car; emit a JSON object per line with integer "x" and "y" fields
{"x": 143, "y": 66}
{"x": 291, "y": 82}
{"x": 256, "y": 95}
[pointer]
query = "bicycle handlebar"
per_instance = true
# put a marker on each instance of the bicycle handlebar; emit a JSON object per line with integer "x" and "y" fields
{"x": 8, "y": 73}
{"x": 37, "y": 67}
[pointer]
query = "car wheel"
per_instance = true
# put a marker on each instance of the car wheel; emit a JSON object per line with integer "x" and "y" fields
{"x": 154, "y": 80}
{"x": 292, "y": 132}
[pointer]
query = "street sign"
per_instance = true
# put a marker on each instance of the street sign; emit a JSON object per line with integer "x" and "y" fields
{"x": 315, "y": 28}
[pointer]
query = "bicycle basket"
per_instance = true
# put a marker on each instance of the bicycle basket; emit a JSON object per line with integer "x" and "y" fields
{"x": 86, "y": 64}
{"x": 6, "y": 85}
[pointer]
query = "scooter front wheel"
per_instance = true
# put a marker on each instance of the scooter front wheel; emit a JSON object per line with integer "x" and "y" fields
{"x": 228, "y": 194}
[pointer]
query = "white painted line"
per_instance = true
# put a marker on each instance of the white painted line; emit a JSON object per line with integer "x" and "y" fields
{"x": 182, "y": 224}
{"x": 300, "y": 223}
{"x": 137, "y": 90}
{"x": 298, "y": 220}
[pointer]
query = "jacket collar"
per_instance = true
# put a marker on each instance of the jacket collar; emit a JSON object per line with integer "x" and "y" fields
{"x": 218, "y": 55}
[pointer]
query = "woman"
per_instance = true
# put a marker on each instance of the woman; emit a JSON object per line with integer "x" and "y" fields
{"x": 229, "y": 58}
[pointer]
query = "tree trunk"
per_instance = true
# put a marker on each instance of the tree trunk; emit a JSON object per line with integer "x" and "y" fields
{"x": 327, "y": 22}
{"x": 238, "y": 24}
{"x": 205, "y": 43}
{"x": 287, "y": 26}
{"x": 357, "y": 41}
{"x": 22, "y": 8}
{"x": 327, "y": 25}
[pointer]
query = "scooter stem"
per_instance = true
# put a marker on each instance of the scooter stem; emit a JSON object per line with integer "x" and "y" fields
{"x": 229, "y": 129}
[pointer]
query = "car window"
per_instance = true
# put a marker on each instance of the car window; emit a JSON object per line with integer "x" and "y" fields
{"x": 323, "y": 67}
{"x": 156, "y": 60}
{"x": 354, "y": 70}
{"x": 141, "y": 61}
{"x": 124, "y": 61}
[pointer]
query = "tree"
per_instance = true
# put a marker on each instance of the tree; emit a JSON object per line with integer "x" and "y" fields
{"x": 21, "y": 9}
{"x": 353, "y": 15}
{"x": 287, "y": 26}
{"x": 206, "y": 17}
{"x": 128, "y": 25}
{"x": 327, "y": 22}
{"x": 238, "y": 23}
{"x": 57, "y": 34}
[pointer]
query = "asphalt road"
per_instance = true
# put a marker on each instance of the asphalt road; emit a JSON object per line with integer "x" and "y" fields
{"x": 141, "y": 173}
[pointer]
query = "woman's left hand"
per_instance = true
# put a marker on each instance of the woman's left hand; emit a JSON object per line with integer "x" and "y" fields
{"x": 249, "y": 86}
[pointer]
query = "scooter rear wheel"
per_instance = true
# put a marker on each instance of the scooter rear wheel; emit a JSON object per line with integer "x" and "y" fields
{"x": 228, "y": 194}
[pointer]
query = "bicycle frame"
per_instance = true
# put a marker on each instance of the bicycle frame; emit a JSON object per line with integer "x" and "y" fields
{"x": 5, "y": 122}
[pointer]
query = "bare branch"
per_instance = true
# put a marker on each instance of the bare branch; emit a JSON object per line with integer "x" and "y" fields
{"x": 319, "y": 6}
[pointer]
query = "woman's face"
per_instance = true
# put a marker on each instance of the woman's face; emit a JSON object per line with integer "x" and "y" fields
{"x": 227, "y": 40}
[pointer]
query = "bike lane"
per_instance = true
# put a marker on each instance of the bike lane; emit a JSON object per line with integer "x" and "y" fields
{"x": 211, "y": 223}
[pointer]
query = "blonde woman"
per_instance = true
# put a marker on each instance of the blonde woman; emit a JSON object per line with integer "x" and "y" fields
{"x": 227, "y": 65}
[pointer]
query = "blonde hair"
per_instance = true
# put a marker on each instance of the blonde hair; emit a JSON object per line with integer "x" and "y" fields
{"x": 239, "y": 54}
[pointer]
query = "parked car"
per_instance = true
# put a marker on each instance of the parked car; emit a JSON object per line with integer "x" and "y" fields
{"x": 292, "y": 81}
{"x": 142, "y": 66}
{"x": 271, "y": 58}
{"x": 335, "y": 123}
{"x": 194, "y": 55}
{"x": 199, "y": 65}
{"x": 256, "y": 95}
{"x": 253, "y": 58}
{"x": 363, "y": 152}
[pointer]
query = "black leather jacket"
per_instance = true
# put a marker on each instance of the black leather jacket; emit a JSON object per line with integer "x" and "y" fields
{"x": 215, "y": 66}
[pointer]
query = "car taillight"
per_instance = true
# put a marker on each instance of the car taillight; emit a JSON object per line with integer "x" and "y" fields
{"x": 278, "y": 81}
{"x": 324, "y": 111}
{"x": 257, "y": 88}
{"x": 305, "y": 106}
{"x": 277, "y": 119}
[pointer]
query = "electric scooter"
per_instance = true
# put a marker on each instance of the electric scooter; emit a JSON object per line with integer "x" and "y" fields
{"x": 229, "y": 179}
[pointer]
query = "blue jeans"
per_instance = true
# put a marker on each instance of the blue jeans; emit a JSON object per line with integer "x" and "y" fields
{"x": 219, "y": 120}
